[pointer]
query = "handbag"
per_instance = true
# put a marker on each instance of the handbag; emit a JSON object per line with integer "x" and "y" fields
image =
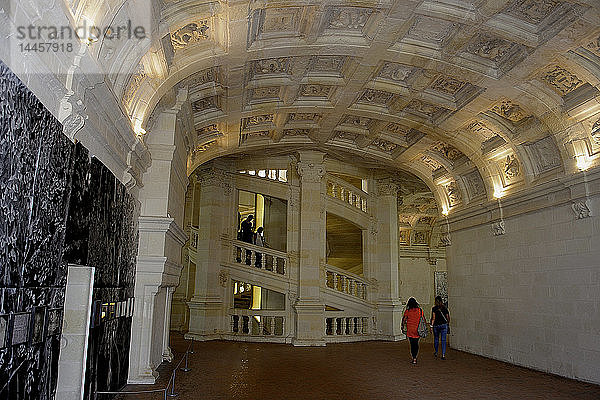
{"x": 445, "y": 320}
{"x": 422, "y": 329}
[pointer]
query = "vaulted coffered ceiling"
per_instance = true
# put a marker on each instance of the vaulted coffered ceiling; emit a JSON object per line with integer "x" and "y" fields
{"x": 477, "y": 98}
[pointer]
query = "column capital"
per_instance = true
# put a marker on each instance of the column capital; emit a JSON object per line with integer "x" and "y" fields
{"x": 310, "y": 171}
{"x": 387, "y": 187}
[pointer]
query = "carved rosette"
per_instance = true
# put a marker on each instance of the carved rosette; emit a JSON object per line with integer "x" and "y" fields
{"x": 310, "y": 172}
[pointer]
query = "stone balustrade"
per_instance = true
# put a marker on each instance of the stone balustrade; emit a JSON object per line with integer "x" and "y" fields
{"x": 344, "y": 191}
{"x": 346, "y": 282}
{"x": 342, "y": 325}
{"x": 260, "y": 257}
{"x": 257, "y": 323}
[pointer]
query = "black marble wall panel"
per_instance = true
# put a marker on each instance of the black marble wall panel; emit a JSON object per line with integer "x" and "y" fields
{"x": 36, "y": 161}
{"x": 57, "y": 206}
{"x": 101, "y": 233}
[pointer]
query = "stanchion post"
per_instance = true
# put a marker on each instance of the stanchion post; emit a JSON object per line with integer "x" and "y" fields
{"x": 192, "y": 347}
{"x": 173, "y": 393}
{"x": 186, "y": 369}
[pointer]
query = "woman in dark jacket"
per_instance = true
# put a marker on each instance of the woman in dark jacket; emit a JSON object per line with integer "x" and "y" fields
{"x": 440, "y": 318}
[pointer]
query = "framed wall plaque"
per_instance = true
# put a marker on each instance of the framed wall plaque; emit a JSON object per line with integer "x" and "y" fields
{"x": 38, "y": 324}
{"x": 20, "y": 328}
{"x": 4, "y": 331}
{"x": 54, "y": 321}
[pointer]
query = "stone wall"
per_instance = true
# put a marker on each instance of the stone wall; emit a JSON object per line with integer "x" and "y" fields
{"x": 531, "y": 296}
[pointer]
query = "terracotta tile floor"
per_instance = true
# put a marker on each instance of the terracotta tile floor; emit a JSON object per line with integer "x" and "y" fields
{"x": 353, "y": 371}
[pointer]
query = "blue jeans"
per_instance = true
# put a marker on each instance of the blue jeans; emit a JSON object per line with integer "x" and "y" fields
{"x": 437, "y": 331}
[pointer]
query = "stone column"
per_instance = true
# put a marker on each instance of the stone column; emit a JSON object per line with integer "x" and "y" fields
{"x": 310, "y": 309}
{"x": 206, "y": 306}
{"x": 385, "y": 257}
{"x": 161, "y": 239}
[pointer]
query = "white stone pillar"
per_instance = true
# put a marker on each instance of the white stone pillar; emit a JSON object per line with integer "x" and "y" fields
{"x": 310, "y": 309}
{"x": 207, "y": 319}
{"x": 385, "y": 246}
{"x": 161, "y": 239}
{"x": 72, "y": 360}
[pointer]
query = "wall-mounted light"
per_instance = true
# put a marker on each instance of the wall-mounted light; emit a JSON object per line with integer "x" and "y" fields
{"x": 444, "y": 210}
{"x": 580, "y": 153}
{"x": 498, "y": 193}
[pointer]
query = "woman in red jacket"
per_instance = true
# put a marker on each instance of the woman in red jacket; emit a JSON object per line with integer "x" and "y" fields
{"x": 410, "y": 324}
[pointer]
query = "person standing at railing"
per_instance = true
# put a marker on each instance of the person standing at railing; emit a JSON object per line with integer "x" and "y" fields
{"x": 259, "y": 240}
{"x": 248, "y": 234}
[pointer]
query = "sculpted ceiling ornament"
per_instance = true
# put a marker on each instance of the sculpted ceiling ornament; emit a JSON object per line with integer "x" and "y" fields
{"x": 384, "y": 145}
{"x": 431, "y": 163}
{"x": 474, "y": 183}
{"x": 596, "y": 132}
{"x": 202, "y": 77}
{"x": 511, "y": 167}
{"x": 532, "y": 11}
{"x": 375, "y": 97}
{"x": 348, "y": 18}
{"x": 397, "y": 129}
{"x": 453, "y": 193}
{"x": 135, "y": 81}
{"x": 395, "y": 72}
{"x": 421, "y": 107}
{"x": 189, "y": 34}
{"x": 208, "y": 103}
{"x": 544, "y": 155}
{"x": 244, "y": 137}
{"x": 266, "y": 92}
{"x": 489, "y": 47}
{"x": 296, "y": 132}
{"x": 312, "y": 117}
{"x": 509, "y": 110}
{"x": 257, "y": 120}
{"x": 346, "y": 136}
{"x": 498, "y": 228}
{"x": 481, "y": 129}
{"x": 327, "y": 63}
{"x": 449, "y": 152}
{"x": 448, "y": 85}
{"x": 272, "y": 66}
{"x": 315, "y": 90}
{"x": 207, "y": 130}
{"x": 280, "y": 19}
{"x": 561, "y": 80}
{"x": 594, "y": 46}
{"x": 360, "y": 122}
{"x": 431, "y": 30}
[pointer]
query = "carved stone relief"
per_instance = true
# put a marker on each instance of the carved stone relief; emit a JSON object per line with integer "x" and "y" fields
{"x": 581, "y": 209}
{"x": 420, "y": 238}
{"x": 453, "y": 193}
{"x": 481, "y": 129}
{"x": 447, "y": 151}
{"x": 135, "y": 81}
{"x": 561, "y": 80}
{"x": 189, "y": 34}
{"x": 395, "y": 72}
{"x": 544, "y": 155}
{"x": 202, "y": 77}
{"x": 371, "y": 96}
{"x": 441, "y": 285}
{"x": 257, "y": 120}
{"x": 223, "y": 278}
{"x": 474, "y": 184}
{"x": 384, "y": 145}
{"x": 205, "y": 104}
{"x": 498, "y": 228}
{"x": 431, "y": 30}
{"x": 271, "y": 66}
{"x": 596, "y": 132}
{"x": 511, "y": 168}
{"x": 447, "y": 85}
{"x": 489, "y": 47}
{"x": 423, "y": 108}
{"x": 346, "y": 136}
{"x": 359, "y": 122}
{"x": 327, "y": 63}
{"x": 430, "y": 162}
{"x": 315, "y": 90}
{"x": 266, "y": 92}
{"x": 296, "y": 132}
{"x": 348, "y": 18}
{"x": 509, "y": 110}
{"x": 304, "y": 117}
{"x": 310, "y": 172}
{"x": 404, "y": 236}
{"x": 280, "y": 19}
{"x": 532, "y": 11}
{"x": 397, "y": 129}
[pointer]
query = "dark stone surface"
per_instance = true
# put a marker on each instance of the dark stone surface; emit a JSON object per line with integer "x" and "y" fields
{"x": 58, "y": 206}
{"x": 35, "y": 180}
